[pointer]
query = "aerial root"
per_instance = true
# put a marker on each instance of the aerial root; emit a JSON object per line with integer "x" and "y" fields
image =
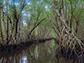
{"x": 77, "y": 54}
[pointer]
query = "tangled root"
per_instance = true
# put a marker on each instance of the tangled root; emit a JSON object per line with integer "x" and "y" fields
{"x": 77, "y": 54}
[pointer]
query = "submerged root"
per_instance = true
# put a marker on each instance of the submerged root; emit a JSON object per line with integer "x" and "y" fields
{"x": 77, "y": 54}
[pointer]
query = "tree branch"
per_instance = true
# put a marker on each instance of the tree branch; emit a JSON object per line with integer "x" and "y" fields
{"x": 34, "y": 28}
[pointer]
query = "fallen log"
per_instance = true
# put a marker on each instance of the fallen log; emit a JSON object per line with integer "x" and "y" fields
{"x": 22, "y": 45}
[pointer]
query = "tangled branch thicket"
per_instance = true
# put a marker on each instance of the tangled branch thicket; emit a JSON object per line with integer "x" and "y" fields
{"x": 70, "y": 45}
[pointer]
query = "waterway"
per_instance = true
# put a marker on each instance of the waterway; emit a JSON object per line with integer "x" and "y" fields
{"x": 38, "y": 53}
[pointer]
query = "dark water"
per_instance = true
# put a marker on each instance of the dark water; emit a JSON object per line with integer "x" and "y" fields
{"x": 41, "y": 53}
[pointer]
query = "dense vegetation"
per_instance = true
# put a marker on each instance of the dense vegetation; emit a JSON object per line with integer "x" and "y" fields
{"x": 24, "y": 20}
{"x": 21, "y": 20}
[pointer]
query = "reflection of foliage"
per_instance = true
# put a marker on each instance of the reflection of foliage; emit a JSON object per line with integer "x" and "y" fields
{"x": 13, "y": 31}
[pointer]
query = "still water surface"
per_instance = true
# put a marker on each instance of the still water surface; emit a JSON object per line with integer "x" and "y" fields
{"x": 41, "y": 53}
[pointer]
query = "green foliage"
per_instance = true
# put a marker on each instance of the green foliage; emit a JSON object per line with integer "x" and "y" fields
{"x": 46, "y": 23}
{"x": 36, "y": 10}
{"x": 57, "y": 3}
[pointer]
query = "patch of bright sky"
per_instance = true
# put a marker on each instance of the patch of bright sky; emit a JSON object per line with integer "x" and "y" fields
{"x": 29, "y": 14}
{"x": 23, "y": 12}
{"x": 29, "y": 3}
{"x": 46, "y": 7}
{"x": 16, "y": 3}
{"x": 24, "y": 58}
{"x": 24, "y": 22}
{"x": 26, "y": 14}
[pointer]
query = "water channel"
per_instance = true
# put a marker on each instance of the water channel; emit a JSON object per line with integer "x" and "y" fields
{"x": 40, "y": 53}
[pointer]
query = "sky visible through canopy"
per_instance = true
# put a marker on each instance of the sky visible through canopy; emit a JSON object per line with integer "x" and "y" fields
{"x": 24, "y": 13}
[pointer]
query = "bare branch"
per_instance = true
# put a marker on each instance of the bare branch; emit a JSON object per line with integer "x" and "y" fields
{"x": 34, "y": 28}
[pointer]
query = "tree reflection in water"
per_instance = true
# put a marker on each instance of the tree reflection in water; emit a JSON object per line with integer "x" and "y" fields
{"x": 13, "y": 58}
{"x": 31, "y": 55}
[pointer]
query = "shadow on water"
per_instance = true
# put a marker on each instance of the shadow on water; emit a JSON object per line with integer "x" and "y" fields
{"x": 41, "y": 53}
